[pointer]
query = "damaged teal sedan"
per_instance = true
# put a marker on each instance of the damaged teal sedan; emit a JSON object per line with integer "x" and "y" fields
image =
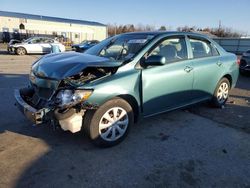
{"x": 113, "y": 84}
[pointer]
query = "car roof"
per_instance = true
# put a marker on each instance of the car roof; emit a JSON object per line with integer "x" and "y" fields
{"x": 158, "y": 33}
{"x": 35, "y": 37}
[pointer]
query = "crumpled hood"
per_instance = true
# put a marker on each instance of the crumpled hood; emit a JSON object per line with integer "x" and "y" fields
{"x": 62, "y": 65}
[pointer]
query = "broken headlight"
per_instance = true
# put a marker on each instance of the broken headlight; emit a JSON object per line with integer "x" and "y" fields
{"x": 67, "y": 97}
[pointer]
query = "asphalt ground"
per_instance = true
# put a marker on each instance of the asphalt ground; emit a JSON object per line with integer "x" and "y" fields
{"x": 199, "y": 146}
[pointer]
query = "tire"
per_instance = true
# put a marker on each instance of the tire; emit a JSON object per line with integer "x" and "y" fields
{"x": 221, "y": 93}
{"x": 21, "y": 51}
{"x": 113, "y": 134}
{"x": 60, "y": 115}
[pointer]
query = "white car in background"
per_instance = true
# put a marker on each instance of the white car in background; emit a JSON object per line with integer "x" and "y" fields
{"x": 36, "y": 45}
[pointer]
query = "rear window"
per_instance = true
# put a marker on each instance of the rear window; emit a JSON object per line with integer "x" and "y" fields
{"x": 200, "y": 48}
{"x": 203, "y": 48}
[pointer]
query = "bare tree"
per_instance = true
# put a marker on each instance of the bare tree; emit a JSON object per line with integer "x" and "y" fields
{"x": 163, "y": 28}
{"x": 114, "y": 29}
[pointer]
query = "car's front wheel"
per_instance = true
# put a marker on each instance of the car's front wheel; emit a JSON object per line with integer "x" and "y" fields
{"x": 221, "y": 93}
{"x": 110, "y": 123}
{"x": 21, "y": 51}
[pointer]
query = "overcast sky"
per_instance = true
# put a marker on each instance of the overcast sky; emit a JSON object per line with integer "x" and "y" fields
{"x": 201, "y": 13}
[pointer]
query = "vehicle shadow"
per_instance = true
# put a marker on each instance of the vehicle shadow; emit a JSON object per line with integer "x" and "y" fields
{"x": 236, "y": 112}
{"x": 43, "y": 157}
{"x": 244, "y": 82}
{"x": 4, "y": 52}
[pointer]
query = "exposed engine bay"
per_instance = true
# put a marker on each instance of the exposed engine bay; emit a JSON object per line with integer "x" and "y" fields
{"x": 88, "y": 75}
{"x": 65, "y": 104}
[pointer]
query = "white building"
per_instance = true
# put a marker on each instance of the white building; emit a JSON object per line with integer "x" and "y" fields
{"x": 19, "y": 25}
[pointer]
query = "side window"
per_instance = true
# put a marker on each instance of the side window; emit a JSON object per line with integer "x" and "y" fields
{"x": 201, "y": 48}
{"x": 173, "y": 49}
{"x": 47, "y": 40}
{"x": 36, "y": 41}
{"x": 215, "y": 52}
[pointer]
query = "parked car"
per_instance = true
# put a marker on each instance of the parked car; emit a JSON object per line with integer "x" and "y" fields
{"x": 113, "y": 84}
{"x": 84, "y": 45}
{"x": 11, "y": 43}
{"x": 37, "y": 45}
{"x": 245, "y": 62}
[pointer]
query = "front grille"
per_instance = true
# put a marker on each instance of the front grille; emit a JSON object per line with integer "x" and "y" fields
{"x": 38, "y": 102}
{"x": 44, "y": 88}
{"x": 44, "y": 93}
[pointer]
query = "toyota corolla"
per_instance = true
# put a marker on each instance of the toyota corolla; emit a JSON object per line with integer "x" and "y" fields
{"x": 113, "y": 84}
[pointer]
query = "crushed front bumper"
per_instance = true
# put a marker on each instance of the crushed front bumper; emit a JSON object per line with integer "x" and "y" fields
{"x": 70, "y": 120}
{"x": 10, "y": 49}
{"x": 32, "y": 114}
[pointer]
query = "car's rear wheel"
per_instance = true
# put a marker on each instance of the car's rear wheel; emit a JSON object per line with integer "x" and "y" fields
{"x": 110, "y": 123}
{"x": 221, "y": 93}
{"x": 21, "y": 51}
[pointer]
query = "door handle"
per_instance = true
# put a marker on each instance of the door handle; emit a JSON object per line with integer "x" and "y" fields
{"x": 188, "y": 69}
{"x": 219, "y": 63}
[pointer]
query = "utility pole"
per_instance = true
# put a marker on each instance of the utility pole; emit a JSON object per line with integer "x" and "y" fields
{"x": 115, "y": 28}
{"x": 219, "y": 24}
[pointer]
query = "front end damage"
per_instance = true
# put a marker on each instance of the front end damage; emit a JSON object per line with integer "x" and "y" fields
{"x": 39, "y": 110}
{"x": 59, "y": 102}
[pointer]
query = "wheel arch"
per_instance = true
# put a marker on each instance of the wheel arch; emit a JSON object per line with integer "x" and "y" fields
{"x": 133, "y": 103}
{"x": 21, "y": 47}
{"x": 229, "y": 77}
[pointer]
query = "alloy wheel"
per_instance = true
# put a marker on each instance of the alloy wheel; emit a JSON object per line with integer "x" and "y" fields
{"x": 21, "y": 51}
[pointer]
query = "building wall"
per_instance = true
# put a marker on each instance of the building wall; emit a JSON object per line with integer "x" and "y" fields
{"x": 74, "y": 32}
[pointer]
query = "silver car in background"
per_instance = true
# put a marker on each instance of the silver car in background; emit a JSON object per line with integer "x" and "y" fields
{"x": 36, "y": 45}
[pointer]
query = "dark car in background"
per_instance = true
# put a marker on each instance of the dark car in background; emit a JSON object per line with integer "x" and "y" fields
{"x": 245, "y": 62}
{"x": 84, "y": 45}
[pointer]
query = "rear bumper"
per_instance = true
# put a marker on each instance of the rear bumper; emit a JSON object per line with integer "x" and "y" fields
{"x": 32, "y": 114}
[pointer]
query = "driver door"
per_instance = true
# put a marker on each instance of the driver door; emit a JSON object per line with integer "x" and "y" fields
{"x": 168, "y": 86}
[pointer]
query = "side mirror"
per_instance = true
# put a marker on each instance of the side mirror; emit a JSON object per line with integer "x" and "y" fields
{"x": 155, "y": 60}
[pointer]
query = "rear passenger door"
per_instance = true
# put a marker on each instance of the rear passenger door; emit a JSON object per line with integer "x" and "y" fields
{"x": 207, "y": 65}
{"x": 46, "y": 45}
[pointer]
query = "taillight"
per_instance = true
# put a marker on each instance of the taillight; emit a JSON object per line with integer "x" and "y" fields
{"x": 238, "y": 61}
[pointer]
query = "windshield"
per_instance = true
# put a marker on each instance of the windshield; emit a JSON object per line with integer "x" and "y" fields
{"x": 121, "y": 47}
{"x": 29, "y": 39}
{"x": 84, "y": 42}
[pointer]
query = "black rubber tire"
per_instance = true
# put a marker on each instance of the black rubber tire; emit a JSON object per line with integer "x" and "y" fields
{"x": 214, "y": 100}
{"x": 93, "y": 117}
{"x": 64, "y": 114}
{"x": 18, "y": 51}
